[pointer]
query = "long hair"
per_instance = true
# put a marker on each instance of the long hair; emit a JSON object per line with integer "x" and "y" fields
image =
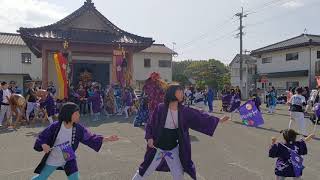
{"x": 170, "y": 95}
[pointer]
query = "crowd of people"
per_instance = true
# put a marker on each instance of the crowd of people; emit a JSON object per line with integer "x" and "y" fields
{"x": 159, "y": 103}
{"x": 43, "y": 103}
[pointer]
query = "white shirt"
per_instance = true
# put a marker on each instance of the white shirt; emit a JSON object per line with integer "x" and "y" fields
{"x": 297, "y": 100}
{"x": 172, "y": 120}
{"x": 56, "y": 157}
{"x": 6, "y": 95}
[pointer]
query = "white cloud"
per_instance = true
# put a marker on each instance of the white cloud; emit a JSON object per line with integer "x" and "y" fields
{"x": 28, "y": 13}
{"x": 293, "y": 4}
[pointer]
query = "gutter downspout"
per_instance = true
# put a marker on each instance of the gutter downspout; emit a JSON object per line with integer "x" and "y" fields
{"x": 310, "y": 60}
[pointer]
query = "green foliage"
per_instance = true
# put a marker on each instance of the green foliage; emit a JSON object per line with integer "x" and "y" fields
{"x": 212, "y": 73}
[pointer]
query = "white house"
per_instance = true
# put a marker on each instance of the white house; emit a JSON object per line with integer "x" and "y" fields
{"x": 18, "y": 63}
{"x": 157, "y": 58}
{"x": 289, "y": 63}
{"x": 249, "y": 70}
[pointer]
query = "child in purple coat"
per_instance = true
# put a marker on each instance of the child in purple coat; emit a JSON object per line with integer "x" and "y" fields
{"x": 167, "y": 135}
{"x": 284, "y": 167}
{"x": 61, "y": 139}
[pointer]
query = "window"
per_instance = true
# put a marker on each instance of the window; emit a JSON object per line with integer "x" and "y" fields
{"x": 165, "y": 63}
{"x": 292, "y": 56}
{"x": 318, "y": 54}
{"x": 26, "y": 58}
{"x": 147, "y": 62}
{"x": 292, "y": 84}
{"x": 266, "y": 60}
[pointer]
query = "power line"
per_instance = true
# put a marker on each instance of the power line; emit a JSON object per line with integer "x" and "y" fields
{"x": 205, "y": 35}
{"x": 267, "y": 5}
{"x": 213, "y": 41}
{"x": 266, "y": 20}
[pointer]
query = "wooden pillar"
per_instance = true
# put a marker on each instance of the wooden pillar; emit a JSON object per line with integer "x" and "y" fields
{"x": 44, "y": 68}
{"x": 130, "y": 66}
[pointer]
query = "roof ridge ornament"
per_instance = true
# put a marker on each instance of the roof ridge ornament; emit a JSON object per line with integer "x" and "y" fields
{"x": 88, "y": 2}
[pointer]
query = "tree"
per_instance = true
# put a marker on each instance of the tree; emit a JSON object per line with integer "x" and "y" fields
{"x": 210, "y": 72}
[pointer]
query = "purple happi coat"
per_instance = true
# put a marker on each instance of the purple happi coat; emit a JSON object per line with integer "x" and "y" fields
{"x": 79, "y": 134}
{"x": 96, "y": 102}
{"x": 187, "y": 118}
{"x": 49, "y": 104}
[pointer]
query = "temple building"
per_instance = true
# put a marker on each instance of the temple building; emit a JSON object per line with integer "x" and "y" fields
{"x": 92, "y": 44}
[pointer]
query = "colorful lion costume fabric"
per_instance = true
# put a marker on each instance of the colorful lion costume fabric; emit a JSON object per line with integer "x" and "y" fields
{"x": 154, "y": 89}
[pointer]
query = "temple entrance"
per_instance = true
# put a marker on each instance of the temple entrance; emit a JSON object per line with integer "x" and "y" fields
{"x": 91, "y": 72}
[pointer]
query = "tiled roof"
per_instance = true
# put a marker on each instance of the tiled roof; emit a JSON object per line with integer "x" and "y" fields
{"x": 56, "y": 31}
{"x": 299, "y": 41}
{"x": 159, "y": 48}
{"x": 11, "y": 39}
{"x": 246, "y": 58}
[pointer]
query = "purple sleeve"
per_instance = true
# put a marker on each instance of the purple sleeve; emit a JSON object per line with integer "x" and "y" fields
{"x": 201, "y": 121}
{"x": 303, "y": 150}
{"x": 44, "y": 103}
{"x": 92, "y": 140}
{"x": 274, "y": 151}
{"x": 44, "y": 137}
{"x": 150, "y": 123}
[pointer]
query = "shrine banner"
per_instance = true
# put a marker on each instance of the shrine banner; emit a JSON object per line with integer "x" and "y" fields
{"x": 60, "y": 63}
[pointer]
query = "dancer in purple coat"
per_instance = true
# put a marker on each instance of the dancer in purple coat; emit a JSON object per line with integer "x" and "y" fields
{"x": 167, "y": 135}
{"x": 60, "y": 141}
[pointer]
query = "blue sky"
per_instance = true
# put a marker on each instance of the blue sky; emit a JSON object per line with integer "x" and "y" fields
{"x": 201, "y": 29}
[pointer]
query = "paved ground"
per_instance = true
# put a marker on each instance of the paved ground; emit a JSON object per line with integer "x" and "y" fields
{"x": 234, "y": 153}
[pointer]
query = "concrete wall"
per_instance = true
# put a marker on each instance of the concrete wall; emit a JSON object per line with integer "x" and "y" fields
{"x": 11, "y": 62}
{"x": 141, "y": 73}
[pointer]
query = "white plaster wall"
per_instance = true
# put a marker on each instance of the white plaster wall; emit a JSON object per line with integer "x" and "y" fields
{"x": 10, "y": 58}
{"x": 279, "y": 63}
{"x": 141, "y": 73}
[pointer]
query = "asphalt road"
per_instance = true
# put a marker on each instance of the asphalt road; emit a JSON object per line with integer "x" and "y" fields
{"x": 235, "y": 152}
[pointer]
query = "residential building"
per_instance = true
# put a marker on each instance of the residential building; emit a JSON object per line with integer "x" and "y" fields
{"x": 157, "y": 58}
{"x": 249, "y": 70}
{"x": 289, "y": 63}
{"x": 18, "y": 63}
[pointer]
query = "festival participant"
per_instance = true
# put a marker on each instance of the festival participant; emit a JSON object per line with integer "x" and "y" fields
{"x": 48, "y": 103}
{"x": 210, "y": 99}
{"x": 31, "y": 99}
{"x": 82, "y": 99}
{"x": 110, "y": 102}
{"x": 284, "y": 167}
{"x": 51, "y": 89}
{"x": 143, "y": 112}
{"x": 167, "y": 135}
{"x": 154, "y": 88}
{"x": 5, "y": 111}
{"x": 95, "y": 101}
{"x": 61, "y": 139}
{"x": 289, "y": 94}
{"x": 128, "y": 102}
{"x": 272, "y": 100}
{"x": 297, "y": 102}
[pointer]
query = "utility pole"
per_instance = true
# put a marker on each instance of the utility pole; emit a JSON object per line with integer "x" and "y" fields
{"x": 241, "y": 16}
